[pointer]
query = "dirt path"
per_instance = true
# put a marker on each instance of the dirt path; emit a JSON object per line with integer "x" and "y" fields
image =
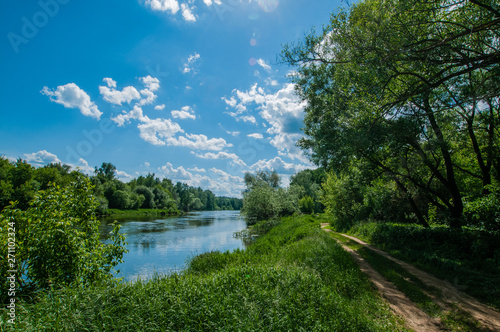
{"x": 417, "y": 319}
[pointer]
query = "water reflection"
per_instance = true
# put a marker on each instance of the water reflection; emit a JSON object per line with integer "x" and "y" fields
{"x": 164, "y": 245}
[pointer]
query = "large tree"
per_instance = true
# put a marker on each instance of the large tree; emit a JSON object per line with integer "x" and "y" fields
{"x": 412, "y": 87}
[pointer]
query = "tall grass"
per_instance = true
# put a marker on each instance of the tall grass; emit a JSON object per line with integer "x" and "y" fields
{"x": 470, "y": 259}
{"x": 294, "y": 278}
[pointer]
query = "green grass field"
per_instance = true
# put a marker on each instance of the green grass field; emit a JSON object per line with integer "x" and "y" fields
{"x": 293, "y": 278}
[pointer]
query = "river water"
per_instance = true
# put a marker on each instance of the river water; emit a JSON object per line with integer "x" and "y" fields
{"x": 165, "y": 245}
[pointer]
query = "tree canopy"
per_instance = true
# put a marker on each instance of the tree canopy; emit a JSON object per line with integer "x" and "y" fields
{"x": 409, "y": 90}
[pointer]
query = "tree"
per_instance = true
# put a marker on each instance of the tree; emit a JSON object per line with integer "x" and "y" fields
{"x": 149, "y": 202}
{"x": 392, "y": 82}
{"x": 264, "y": 199}
{"x": 57, "y": 240}
{"x": 106, "y": 172}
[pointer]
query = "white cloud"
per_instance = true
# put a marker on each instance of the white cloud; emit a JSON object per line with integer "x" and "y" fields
{"x": 280, "y": 166}
{"x": 135, "y": 114}
{"x": 264, "y": 65}
{"x": 199, "y": 142}
{"x": 164, "y": 5}
{"x": 41, "y": 158}
{"x": 155, "y": 131}
{"x": 187, "y": 13}
{"x": 270, "y": 81}
{"x": 219, "y": 182}
{"x": 221, "y": 155}
{"x": 197, "y": 170}
{"x": 71, "y": 96}
{"x": 256, "y": 136}
{"x": 178, "y": 173}
{"x": 160, "y": 107}
{"x": 208, "y": 2}
{"x": 191, "y": 61}
{"x": 186, "y": 112}
{"x": 113, "y": 96}
{"x": 284, "y": 112}
{"x": 128, "y": 94}
{"x": 123, "y": 176}
{"x": 110, "y": 82}
{"x": 152, "y": 83}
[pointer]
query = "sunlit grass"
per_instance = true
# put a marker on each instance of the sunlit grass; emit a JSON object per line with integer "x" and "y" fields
{"x": 294, "y": 278}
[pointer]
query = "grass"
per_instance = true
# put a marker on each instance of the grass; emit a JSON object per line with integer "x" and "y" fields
{"x": 293, "y": 278}
{"x": 454, "y": 319}
{"x": 118, "y": 214}
{"x": 467, "y": 258}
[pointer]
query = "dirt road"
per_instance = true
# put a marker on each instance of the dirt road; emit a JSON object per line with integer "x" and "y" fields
{"x": 415, "y": 318}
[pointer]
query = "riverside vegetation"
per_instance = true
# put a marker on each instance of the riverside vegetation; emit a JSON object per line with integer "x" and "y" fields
{"x": 402, "y": 120}
{"x": 295, "y": 277}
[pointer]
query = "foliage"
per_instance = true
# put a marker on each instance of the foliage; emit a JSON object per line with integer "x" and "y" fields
{"x": 307, "y": 283}
{"x": 19, "y": 181}
{"x": 306, "y": 205}
{"x": 57, "y": 240}
{"x": 468, "y": 258}
{"x": 310, "y": 181}
{"x": 411, "y": 89}
{"x": 264, "y": 199}
{"x": 484, "y": 212}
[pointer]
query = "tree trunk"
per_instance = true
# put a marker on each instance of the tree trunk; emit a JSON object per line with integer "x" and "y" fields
{"x": 457, "y": 207}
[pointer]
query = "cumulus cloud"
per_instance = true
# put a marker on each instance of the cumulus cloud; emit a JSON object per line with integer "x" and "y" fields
{"x": 71, "y": 96}
{"x": 152, "y": 83}
{"x": 187, "y": 13}
{"x": 222, "y": 155}
{"x": 43, "y": 157}
{"x": 163, "y": 5}
{"x": 124, "y": 118}
{"x": 160, "y": 107}
{"x": 218, "y": 181}
{"x": 40, "y": 158}
{"x": 128, "y": 94}
{"x": 117, "y": 97}
{"x": 155, "y": 131}
{"x": 283, "y": 111}
{"x": 178, "y": 173}
{"x": 277, "y": 164}
{"x": 197, "y": 170}
{"x": 199, "y": 142}
{"x": 186, "y": 112}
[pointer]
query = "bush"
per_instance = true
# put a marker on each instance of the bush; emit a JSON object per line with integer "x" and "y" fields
{"x": 484, "y": 212}
{"x": 306, "y": 205}
{"x": 57, "y": 240}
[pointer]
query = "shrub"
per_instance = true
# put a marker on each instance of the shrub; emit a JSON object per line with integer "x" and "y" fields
{"x": 57, "y": 240}
{"x": 306, "y": 205}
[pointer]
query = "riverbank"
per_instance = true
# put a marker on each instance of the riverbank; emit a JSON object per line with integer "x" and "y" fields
{"x": 116, "y": 213}
{"x": 294, "y": 277}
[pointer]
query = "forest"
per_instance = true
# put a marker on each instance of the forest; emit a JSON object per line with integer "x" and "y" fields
{"x": 19, "y": 181}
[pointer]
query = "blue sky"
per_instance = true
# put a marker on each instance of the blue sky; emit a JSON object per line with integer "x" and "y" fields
{"x": 186, "y": 89}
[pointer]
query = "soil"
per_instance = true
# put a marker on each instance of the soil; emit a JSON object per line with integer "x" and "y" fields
{"x": 414, "y": 317}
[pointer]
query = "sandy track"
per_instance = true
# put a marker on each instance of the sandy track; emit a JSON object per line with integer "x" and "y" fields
{"x": 415, "y": 318}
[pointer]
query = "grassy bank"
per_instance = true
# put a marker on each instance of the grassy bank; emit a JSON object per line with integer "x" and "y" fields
{"x": 468, "y": 259}
{"x": 295, "y": 277}
{"x": 116, "y": 213}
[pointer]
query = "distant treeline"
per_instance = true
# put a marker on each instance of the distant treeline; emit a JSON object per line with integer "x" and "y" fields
{"x": 20, "y": 181}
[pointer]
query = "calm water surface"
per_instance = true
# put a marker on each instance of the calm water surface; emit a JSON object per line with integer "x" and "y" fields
{"x": 164, "y": 245}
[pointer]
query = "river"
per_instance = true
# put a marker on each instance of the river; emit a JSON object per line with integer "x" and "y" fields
{"x": 165, "y": 245}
